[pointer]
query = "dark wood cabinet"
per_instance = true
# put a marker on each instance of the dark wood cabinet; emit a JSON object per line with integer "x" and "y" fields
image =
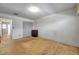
{"x": 34, "y": 33}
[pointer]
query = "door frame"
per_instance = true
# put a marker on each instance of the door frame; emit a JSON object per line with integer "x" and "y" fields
{"x": 10, "y": 22}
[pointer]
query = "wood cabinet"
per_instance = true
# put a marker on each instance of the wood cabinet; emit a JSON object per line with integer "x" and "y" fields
{"x": 34, "y": 33}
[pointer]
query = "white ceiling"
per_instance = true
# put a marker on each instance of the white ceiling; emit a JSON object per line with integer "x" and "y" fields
{"x": 45, "y": 9}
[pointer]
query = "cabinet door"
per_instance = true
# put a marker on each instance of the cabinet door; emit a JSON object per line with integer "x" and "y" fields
{"x": 35, "y": 33}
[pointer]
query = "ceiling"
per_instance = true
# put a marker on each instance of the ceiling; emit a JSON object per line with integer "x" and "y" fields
{"x": 45, "y": 9}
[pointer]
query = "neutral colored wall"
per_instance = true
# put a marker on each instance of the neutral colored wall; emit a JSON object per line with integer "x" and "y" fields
{"x": 17, "y": 29}
{"x": 17, "y": 24}
{"x": 21, "y": 29}
{"x": 27, "y": 27}
{"x": 62, "y": 27}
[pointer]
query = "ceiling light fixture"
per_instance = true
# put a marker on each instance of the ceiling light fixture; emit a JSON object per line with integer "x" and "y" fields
{"x": 33, "y": 9}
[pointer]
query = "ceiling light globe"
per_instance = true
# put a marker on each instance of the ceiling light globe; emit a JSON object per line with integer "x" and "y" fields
{"x": 33, "y": 9}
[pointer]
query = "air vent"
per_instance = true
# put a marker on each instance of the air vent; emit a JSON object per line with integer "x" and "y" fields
{"x": 15, "y": 13}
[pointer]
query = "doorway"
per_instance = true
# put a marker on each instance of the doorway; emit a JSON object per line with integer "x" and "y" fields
{"x": 5, "y": 34}
{"x": 5, "y": 29}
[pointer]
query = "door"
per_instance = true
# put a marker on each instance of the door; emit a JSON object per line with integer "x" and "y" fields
{"x": 5, "y": 34}
{"x": 5, "y": 31}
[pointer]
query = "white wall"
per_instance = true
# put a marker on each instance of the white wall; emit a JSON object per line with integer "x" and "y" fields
{"x": 62, "y": 27}
{"x": 17, "y": 25}
{"x": 27, "y": 27}
{"x": 17, "y": 29}
{"x": 21, "y": 29}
